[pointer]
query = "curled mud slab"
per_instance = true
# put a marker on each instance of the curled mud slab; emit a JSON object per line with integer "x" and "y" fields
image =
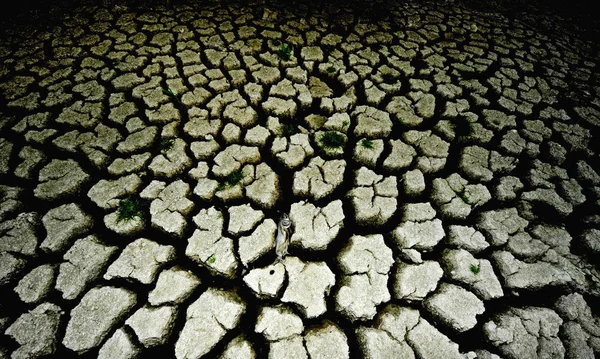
{"x": 439, "y": 165}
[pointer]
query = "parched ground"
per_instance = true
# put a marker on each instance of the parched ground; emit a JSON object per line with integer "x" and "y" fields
{"x": 439, "y": 166}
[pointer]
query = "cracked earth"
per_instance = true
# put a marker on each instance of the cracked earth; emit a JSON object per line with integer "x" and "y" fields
{"x": 439, "y": 169}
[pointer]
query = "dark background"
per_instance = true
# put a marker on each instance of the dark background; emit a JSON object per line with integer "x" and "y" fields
{"x": 577, "y": 14}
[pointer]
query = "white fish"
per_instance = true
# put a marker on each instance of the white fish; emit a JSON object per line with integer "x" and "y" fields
{"x": 282, "y": 240}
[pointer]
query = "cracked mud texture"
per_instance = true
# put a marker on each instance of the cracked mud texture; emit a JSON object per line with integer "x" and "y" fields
{"x": 438, "y": 164}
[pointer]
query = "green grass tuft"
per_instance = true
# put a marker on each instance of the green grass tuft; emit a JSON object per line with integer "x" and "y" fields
{"x": 166, "y": 144}
{"x": 463, "y": 195}
{"x": 235, "y": 178}
{"x": 332, "y": 139}
{"x": 285, "y": 51}
{"x": 129, "y": 208}
{"x": 366, "y": 143}
{"x": 474, "y": 268}
{"x": 167, "y": 91}
{"x": 211, "y": 259}
{"x": 290, "y": 129}
{"x": 231, "y": 180}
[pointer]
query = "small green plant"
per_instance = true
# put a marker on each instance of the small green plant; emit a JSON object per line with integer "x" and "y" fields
{"x": 474, "y": 268}
{"x": 290, "y": 129}
{"x": 231, "y": 180}
{"x": 331, "y": 69}
{"x": 285, "y": 51}
{"x": 332, "y": 139}
{"x": 167, "y": 91}
{"x": 166, "y": 144}
{"x": 366, "y": 143}
{"x": 211, "y": 259}
{"x": 235, "y": 178}
{"x": 128, "y": 209}
{"x": 463, "y": 195}
{"x": 345, "y": 124}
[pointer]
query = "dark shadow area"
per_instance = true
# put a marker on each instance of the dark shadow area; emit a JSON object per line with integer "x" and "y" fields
{"x": 577, "y": 15}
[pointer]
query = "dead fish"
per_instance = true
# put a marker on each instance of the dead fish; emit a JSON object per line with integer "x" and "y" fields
{"x": 282, "y": 240}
